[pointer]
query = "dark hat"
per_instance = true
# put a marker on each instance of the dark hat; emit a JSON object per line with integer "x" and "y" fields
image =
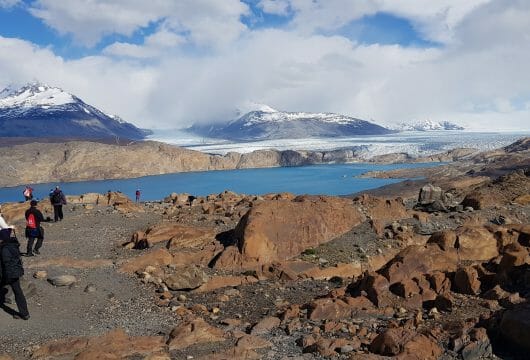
{"x": 33, "y": 203}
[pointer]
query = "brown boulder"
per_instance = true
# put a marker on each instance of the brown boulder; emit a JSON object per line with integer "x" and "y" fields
{"x": 116, "y": 344}
{"x": 123, "y": 204}
{"x": 476, "y": 243}
{"x": 381, "y": 209}
{"x": 201, "y": 256}
{"x": 405, "y": 288}
{"x": 445, "y": 239}
{"x": 88, "y": 198}
{"x": 329, "y": 309}
{"x": 185, "y": 278}
{"x": 391, "y": 341}
{"x": 280, "y": 229}
{"x": 252, "y": 342}
{"x": 416, "y": 260}
{"x": 194, "y": 332}
{"x": 514, "y": 255}
{"x": 176, "y": 235}
{"x": 420, "y": 347}
{"x": 349, "y": 270}
{"x": 331, "y": 347}
{"x": 217, "y": 282}
{"x": 376, "y": 288}
{"x": 466, "y": 281}
{"x": 232, "y": 259}
{"x": 406, "y": 344}
{"x": 439, "y": 282}
{"x": 265, "y": 325}
{"x": 429, "y": 194}
{"x": 159, "y": 257}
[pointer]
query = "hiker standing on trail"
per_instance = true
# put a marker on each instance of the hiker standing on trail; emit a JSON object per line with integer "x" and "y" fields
{"x": 57, "y": 199}
{"x": 11, "y": 269}
{"x": 28, "y": 193}
{"x": 109, "y": 196}
{"x": 137, "y": 195}
{"x": 33, "y": 229}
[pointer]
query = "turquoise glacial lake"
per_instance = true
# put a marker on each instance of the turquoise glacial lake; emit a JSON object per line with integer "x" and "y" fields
{"x": 337, "y": 179}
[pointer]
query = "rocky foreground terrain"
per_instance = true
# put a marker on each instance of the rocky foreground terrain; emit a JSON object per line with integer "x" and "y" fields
{"x": 421, "y": 271}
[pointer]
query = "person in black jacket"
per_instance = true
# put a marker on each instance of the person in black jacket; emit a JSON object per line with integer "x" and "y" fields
{"x": 57, "y": 199}
{"x": 12, "y": 270}
{"x": 33, "y": 228}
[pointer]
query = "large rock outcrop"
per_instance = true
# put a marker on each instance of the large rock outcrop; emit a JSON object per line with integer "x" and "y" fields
{"x": 280, "y": 229}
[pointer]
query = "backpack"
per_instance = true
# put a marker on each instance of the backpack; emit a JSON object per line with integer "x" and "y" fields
{"x": 31, "y": 222}
{"x": 27, "y": 192}
{"x": 56, "y": 198}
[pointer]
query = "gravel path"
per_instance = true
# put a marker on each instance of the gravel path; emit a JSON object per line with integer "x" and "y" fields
{"x": 118, "y": 300}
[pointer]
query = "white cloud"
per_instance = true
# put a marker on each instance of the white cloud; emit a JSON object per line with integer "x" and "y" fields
{"x": 436, "y": 21}
{"x": 207, "y": 21}
{"x": 6, "y": 4}
{"x": 158, "y": 44}
{"x": 477, "y": 79}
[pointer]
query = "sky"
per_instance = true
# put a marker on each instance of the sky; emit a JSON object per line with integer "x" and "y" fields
{"x": 164, "y": 64}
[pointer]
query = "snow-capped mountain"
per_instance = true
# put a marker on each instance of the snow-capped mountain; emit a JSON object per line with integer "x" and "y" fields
{"x": 427, "y": 125}
{"x": 38, "y": 110}
{"x": 268, "y": 124}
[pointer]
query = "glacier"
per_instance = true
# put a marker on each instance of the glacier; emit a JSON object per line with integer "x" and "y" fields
{"x": 414, "y": 143}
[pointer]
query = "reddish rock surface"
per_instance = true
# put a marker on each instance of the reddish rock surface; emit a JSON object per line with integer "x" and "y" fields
{"x": 280, "y": 229}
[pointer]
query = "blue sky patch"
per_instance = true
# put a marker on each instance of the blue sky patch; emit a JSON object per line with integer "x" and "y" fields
{"x": 385, "y": 29}
{"x": 258, "y": 19}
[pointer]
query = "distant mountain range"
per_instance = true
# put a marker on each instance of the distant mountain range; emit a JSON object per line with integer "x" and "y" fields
{"x": 267, "y": 123}
{"x": 427, "y": 125}
{"x": 38, "y": 110}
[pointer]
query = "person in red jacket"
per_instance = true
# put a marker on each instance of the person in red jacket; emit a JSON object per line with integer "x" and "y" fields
{"x": 33, "y": 229}
{"x": 28, "y": 193}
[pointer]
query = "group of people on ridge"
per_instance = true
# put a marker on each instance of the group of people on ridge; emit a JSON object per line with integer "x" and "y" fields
{"x": 10, "y": 261}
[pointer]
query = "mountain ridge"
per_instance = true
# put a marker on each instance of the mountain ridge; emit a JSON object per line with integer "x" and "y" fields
{"x": 37, "y": 109}
{"x": 269, "y": 124}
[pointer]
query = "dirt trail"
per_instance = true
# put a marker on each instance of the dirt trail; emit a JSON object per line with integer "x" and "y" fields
{"x": 72, "y": 247}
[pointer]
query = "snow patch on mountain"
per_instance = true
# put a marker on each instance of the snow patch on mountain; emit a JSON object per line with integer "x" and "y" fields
{"x": 34, "y": 95}
{"x": 427, "y": 125}
{"x": 251, "y": 106}
{"x": 259, "y": 117}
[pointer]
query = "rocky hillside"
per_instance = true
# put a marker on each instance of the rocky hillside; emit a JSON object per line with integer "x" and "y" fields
{"x": 38, "y": 110}
{"x": 78, "y": 160}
